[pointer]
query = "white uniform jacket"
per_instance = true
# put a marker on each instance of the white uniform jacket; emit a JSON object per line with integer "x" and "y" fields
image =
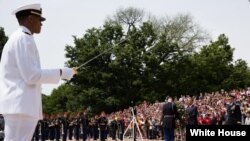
{"x": 21, "y": 76}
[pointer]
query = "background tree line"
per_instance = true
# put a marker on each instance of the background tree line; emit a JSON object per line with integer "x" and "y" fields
{"x": 149, "y": 58}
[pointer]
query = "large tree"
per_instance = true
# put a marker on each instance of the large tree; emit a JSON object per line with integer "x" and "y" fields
{"x": 139, "y": 65}
{"x": 144, "y": 59}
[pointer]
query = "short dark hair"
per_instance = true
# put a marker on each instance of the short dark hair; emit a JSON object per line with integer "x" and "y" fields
{"x": 21, "y": 18}
{"x": 22, "y": 15}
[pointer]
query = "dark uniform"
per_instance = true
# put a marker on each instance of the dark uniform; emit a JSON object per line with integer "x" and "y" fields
{"x": 103, "y": 121}
{"x": 169, "y": 112}
{"x": 1, "y": 128}
{"x": 91, "y": 129}
{"x": 71, "y": 127}
{"x": 36, "y": 132}
{"x": 192, "y": 113}
{"x": 238, "y": 114}
{"x": 84, "y": 121}
{"x": 58, "y": 128}
{"x": 233, "y": 114}
{"x": 52, "y": 128}
{"x": 76, "y": 123}
{"x": 113, "y": 128}
{"x": 95, "y": 128}
{"x": 121, "y": 128}
{"x": 230, "y": 116}
{"x": 65, "y": 126}
{"x": 44, "y": 129}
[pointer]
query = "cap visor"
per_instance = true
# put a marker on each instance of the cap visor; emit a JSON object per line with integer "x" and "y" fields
{"x": 42, "y": 19}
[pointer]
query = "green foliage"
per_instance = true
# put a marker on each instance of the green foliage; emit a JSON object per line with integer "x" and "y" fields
{"x": 136, "y": 70}
{"x": 153, "y": 62}
{"x": 239, "y": 76}
{"x": 61, "y": 100}
{"x": 181, "y": 117}
{"x": 213, "y": 65}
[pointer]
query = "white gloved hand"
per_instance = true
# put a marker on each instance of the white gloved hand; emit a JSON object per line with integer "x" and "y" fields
{"x": 67, "y": 73}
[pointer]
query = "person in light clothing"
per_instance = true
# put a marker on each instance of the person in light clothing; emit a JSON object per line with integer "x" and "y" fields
{"x": 247, "y": 120}
{"x": 21, "y": 76}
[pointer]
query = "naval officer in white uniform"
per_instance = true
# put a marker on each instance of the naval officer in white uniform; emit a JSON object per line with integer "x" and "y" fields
{"x": 21, "y": 76}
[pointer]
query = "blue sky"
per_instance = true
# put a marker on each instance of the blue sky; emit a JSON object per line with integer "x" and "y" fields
{"x": 73, "y": 17}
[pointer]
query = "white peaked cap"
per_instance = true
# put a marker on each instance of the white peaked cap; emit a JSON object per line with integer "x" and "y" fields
{"x": 26, "y": 7}
{"x": 29, "y": 9}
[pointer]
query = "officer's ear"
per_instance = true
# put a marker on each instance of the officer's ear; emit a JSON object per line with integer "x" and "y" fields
{"x": 29, "y": 19}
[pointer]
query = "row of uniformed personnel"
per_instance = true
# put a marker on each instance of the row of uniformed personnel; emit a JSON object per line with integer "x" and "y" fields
{"x": 80, "y": 127}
